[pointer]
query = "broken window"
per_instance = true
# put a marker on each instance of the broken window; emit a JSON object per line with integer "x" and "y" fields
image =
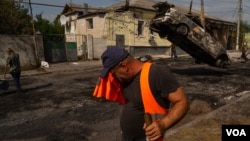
{"x": 140, "y": 27}
{"x": 90, "y": 23}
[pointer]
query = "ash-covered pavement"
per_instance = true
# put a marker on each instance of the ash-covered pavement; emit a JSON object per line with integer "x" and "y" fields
{"x": 58, "y": 103}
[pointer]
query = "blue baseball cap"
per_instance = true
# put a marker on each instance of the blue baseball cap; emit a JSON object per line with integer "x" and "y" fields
{"x": 111, "y": 57}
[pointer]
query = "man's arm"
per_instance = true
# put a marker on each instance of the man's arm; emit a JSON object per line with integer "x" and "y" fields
{"x": 180, "y": 106}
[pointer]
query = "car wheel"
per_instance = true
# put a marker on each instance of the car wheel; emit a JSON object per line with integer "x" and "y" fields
{"x": 182, "y": 29}
{"x": 220, "y": 63}
{"x": 162, "y": 35}
{"x": 223, "y": 61}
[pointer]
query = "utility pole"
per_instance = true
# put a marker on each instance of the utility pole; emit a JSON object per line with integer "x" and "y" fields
{"x": 203, "y": 21}
{"x": 32, "y": 19}
{"x": 203, "y": 15}
{"x": 190, "y": 7}
{"x": 34, "y": 35}
{"x": 238, "y": 24}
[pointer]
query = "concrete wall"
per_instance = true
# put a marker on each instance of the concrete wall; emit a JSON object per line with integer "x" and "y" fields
{"x": 24, "y": 45}
{"x": 140, "y": 51}
{"x": 127, "y": 24}
{"x": 99, "y": 47}
{"x": 107, "y": 27}
{"x": 83, "y": 35}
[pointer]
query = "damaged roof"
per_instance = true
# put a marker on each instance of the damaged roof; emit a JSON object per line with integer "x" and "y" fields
{"x": 143, "y": 4}
{"x": 70, "y": 8}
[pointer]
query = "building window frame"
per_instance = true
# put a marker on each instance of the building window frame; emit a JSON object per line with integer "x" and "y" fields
{"x": 140, "y": 28}
{"x": 90, "y": 23}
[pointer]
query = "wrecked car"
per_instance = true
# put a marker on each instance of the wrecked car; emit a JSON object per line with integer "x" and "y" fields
{"x": 182, "y": 31}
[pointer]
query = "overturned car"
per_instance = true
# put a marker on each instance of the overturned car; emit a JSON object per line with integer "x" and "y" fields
{"x": 182, "y": 31}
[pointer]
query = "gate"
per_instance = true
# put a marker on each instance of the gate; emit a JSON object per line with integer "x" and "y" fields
{"x": 56, "y": 49}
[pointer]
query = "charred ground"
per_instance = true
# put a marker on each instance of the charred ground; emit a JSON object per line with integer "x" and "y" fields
{"x": 58, "y": 105}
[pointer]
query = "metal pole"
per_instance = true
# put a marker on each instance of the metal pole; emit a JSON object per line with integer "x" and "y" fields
{"x": 238, "y": 25}
{"x": 203, "y": 15}
{"x": 34, "y": 34}
{"x": 190, "y": 7}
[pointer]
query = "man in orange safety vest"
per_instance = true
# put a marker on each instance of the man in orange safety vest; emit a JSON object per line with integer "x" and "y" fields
{"x": 143, "y": 89}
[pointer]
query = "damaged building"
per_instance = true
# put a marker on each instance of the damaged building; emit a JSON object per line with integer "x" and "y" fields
{"x": 126, "y": 24}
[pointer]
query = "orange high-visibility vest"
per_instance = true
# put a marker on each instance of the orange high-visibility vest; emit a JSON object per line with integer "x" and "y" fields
{"x": 151, "y": 106}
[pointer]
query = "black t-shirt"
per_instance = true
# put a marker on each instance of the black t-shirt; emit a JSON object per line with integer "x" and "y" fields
{"x": 162, "y": 82}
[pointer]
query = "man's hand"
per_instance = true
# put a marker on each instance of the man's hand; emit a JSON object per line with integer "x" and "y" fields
{"x": 154, "y": 131}
{"x": 180, "y": 106}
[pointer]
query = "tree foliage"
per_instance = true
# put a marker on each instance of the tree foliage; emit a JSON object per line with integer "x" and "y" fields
{"x": 14, "y": 18}
{"x": 58, "y": 28}
{"x": 245, "y": 27}
{"x": 44, "y": 26}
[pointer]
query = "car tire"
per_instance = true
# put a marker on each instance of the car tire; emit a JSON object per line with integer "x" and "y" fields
{"x": 221, "y": 63}
{"x": 182, "y": 29}
{"x": 162, "y": 35}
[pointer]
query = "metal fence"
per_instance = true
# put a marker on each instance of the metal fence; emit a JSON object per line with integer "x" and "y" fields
{"x": 56, "y": 49}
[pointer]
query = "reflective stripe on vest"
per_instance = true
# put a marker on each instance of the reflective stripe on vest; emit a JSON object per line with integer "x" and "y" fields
{"x": 151, "y": 106}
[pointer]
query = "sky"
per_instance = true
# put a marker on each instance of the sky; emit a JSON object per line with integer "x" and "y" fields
{"x": 223, "y": 9}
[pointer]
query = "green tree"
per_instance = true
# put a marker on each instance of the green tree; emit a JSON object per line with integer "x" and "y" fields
{"x": 47, "y": 27}
{"x": 14, "y": 18}
{"x": 58, "y": 28}
{"x": 43, "y": 25}
{"x": 49, "y": 30}
{"x": 245, "y": 27}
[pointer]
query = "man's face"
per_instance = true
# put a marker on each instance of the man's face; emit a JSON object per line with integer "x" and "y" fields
{"x": 121, "y": 72}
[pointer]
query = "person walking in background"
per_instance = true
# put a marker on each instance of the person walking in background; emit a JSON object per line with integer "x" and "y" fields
{"x": 173, "y": 51}
{"x": 144, "y": 88}
{"x": 13, "y": 65}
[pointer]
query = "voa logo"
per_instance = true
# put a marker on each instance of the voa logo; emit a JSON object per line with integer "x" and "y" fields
{"x": 236, "y": 132}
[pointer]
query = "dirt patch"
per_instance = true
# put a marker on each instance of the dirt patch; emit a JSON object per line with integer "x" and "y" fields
{"x": 208, "y": 126}
{"x": 199, "y": 107}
